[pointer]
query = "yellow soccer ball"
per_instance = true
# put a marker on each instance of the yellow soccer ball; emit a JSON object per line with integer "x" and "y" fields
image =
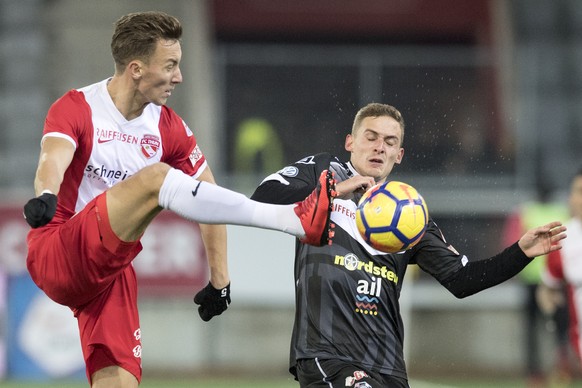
{"x": 392, "y": 216}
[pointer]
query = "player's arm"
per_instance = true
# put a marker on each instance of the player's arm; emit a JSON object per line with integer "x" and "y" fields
{"x": 280, "y": 189}
{"x": 55, "y": 157}
{"x": 503, "y": 266}
{"x": 294, "y": 182}
{"x": 549, "y": 292}
{"x": 215, "y": 297}
{"x": 282, "y": 192}
{"x": 356, "y": 185}
{"x": 214, "y": 237}
{"x": 464, "y": 277}
{"x": 549, "y": 299}
{"x": 543, "y": 239}
{"x": 184, "y": 154}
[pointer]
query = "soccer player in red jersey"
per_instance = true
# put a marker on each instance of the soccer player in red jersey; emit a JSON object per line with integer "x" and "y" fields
{"x": 112, "y": 157}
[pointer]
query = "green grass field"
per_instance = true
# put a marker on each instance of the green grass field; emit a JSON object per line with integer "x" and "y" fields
{"x": 276, "y": 383}
{"x": 214, "y": 383}
{"x": 288, "y": 382}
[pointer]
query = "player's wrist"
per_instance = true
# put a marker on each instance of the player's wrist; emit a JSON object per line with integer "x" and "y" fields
{"x": 219, "y": 282}
{"x": 40, "y": 210}
{"x": 212, "y": 301}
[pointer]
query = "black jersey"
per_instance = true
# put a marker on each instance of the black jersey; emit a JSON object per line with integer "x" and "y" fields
{"x": 347, "y": 293}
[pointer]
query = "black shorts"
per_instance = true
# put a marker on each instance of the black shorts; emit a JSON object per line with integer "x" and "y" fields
{"x": 316, "y": 373}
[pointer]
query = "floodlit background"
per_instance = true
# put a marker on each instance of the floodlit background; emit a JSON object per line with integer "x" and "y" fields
{"x": 491, "y": 92}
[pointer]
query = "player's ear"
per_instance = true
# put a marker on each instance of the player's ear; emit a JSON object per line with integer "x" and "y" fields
{"x": 400, "y": 156}
{"x": 349, "y": 145}
{"x": 135, "y": 68}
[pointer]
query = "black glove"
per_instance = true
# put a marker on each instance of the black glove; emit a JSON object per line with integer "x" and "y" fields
{"x": 40, "y": 210}
{"x": 212, "y": 301}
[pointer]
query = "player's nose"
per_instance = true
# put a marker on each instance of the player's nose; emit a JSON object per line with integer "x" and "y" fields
{"x": 380, "y": 147}
{"x": 177, "y": 78}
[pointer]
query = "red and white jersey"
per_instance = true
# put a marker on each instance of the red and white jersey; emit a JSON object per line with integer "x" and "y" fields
{"x": 109, "y": 148}
{"x": 565, "y": 265}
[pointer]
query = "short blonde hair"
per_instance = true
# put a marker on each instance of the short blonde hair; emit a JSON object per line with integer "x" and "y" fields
{"x": 375, "y": 109}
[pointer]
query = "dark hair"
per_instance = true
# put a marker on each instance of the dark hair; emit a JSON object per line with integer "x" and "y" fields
{"x": 136, "y": 35}
{"x": 375, "y": 109}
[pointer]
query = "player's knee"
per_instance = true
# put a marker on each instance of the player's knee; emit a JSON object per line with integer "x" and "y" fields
{"x": 152, "y": 177}
{"x": 113, "y": 376}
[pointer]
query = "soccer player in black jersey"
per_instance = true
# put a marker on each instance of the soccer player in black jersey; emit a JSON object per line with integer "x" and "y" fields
{"x": 348, "y": 331}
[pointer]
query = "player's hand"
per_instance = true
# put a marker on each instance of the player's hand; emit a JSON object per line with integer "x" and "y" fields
{"x": 543, "y": 240}
{"x": 212, "y": 301}
{"x": 40, "y": 210}
{"x": 358, "y": 184}
{"x": 549, "y": 299}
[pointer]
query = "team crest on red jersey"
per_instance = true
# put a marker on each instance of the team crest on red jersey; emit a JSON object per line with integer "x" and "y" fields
{"x": 150, "y": 144}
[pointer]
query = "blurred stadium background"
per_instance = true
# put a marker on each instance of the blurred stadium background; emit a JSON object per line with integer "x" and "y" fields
{"x": 491, "y": 91}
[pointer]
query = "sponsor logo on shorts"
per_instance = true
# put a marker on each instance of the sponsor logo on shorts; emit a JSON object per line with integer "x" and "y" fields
{"x": 362, "y": 384}
{"x": 358, "y": 375}
{"x": 137, "y": 349}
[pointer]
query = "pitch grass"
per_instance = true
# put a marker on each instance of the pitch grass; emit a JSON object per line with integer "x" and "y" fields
{"x": 169, "y": 383}
{"x": 151, "y": 383}
{"x": 275, "y": 383}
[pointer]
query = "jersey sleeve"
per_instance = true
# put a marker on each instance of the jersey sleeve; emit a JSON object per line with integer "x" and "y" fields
{"x": 181, "y": 149}
{"x": 435, "y": 255}
{"x": 553, "y": 272}
{"x": 292, "y": 183}
{"x": 459, "y": 274}
{"x": 68, "y": 117}
{"x": 513, "y": 228}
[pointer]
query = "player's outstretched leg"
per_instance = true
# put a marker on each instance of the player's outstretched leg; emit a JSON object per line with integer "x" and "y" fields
{"x": 308, "y": 220}
{"x": 314, "y": 211}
